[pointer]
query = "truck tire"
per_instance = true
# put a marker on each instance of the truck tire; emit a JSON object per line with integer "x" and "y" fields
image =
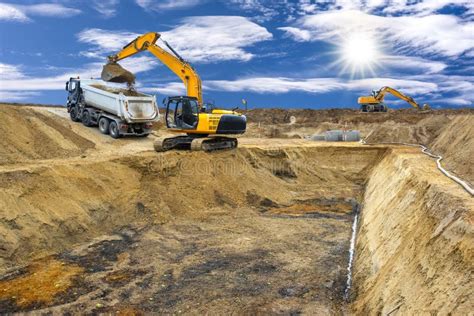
{"x": 104, "y": 125}
{"x": 114, "y": 130}
{"x": 86, "y": 118}
{"x": 74, "y": 114}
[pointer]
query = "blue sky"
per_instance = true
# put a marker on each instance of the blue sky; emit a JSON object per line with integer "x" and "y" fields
{"x": 306, "y": 54}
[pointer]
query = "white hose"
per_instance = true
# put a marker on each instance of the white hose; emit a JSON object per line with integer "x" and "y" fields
{"x": 351, "y": 258}
{"x": 438, "y": 158}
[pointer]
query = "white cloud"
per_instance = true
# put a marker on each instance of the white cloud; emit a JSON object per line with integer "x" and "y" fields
{"x": 198, "y": 39}
{"x": 169, "y": 89}
{"x": 262, "y": 10}
{"x": 49, "y": 10}
{"x": 216, "y": 38}
{"x": 317, "y": 85}
{"x": 419, "y": 7}
{"x": 21, "y": 13}
{"x": 13, "y": 96}
{"x": 106, "y": 41}
{"x": 22, "y": 82}
{"x": 11, "y": 13}
{"x": 424, "y": 7}
{"x": 108, "y": 8}
{"x": 160, "y": 5}
{"x": 297, "y": 34}
{"x": 412, "y": 63}
{"x": 8, "y": 71}
{"x": 434, "y": 34}
{"x": 139, "y": 64}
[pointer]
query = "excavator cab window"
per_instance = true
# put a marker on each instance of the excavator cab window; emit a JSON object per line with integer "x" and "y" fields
{"x": 182, "y": 113}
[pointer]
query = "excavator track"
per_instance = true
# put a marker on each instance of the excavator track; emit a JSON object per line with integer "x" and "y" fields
{"x": 213, "y": 143}
{"x": 206, "y": 144}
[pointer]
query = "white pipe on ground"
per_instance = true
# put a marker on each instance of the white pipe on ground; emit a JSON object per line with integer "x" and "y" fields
{"x": 351, "y": 258}
{"x": 438, "y": 158}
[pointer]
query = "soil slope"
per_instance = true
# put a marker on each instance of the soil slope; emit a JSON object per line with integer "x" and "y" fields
{"x": 28, "y": 134}
{"x": 415, "y": 246}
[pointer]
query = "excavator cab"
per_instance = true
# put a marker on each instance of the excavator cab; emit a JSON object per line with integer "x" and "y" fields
{"x": 182, "y": 113}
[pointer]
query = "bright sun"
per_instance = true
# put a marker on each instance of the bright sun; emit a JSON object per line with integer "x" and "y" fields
{"x": 359, "y": 53}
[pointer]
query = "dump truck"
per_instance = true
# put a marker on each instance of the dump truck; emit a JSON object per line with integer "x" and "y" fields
{"x": 117, "y": 112}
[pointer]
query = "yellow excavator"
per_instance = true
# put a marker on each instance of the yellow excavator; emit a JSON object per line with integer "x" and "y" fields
{"x": 375, "y": 102}
{"x": 184, "y": 114}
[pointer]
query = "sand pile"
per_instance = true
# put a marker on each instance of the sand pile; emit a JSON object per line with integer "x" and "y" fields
{"x": 127, "y": 92}
{"x": 27, "y": 134}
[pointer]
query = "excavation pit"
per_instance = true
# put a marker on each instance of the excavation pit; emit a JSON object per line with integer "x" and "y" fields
{"x": 315, "y": 208}
{"x": 179, "y": 232}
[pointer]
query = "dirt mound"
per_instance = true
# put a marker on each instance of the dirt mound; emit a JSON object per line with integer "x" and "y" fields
{"x": 342, "y": 116}
{"x": 28, "y": 134}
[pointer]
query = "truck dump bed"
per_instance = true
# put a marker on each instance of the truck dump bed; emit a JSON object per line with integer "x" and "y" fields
{"x": 129, "y": 105}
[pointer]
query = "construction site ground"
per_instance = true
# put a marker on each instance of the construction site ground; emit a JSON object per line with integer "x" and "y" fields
{"x": 90, "y": 224}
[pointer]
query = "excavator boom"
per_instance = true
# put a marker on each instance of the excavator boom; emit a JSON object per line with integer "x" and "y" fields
{"x": 382, "y": 92}
{"x": 173, "y": 61}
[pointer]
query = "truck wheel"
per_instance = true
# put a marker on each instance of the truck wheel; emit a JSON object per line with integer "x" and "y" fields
{"x": 73, "y": 113}
{"x": 104, "y": 125}
{"x": 114, "y": 130}
{"x": 86, "y": 118}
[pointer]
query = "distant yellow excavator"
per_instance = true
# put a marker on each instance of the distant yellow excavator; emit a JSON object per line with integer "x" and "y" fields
{"x": 375, "y": 102}
{"x": 184, "y": 114}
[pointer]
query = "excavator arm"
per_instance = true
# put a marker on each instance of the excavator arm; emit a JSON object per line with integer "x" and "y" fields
{"x": 380, "y": 95}
{"x": 173, "y": 61}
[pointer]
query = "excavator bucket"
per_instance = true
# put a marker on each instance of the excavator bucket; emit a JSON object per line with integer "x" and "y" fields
{"x": 113, "y": 72}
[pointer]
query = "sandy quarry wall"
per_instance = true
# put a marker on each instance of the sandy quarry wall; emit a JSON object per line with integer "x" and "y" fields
{"x": 456, "y": 144}
{"x": 415, "y": 245}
